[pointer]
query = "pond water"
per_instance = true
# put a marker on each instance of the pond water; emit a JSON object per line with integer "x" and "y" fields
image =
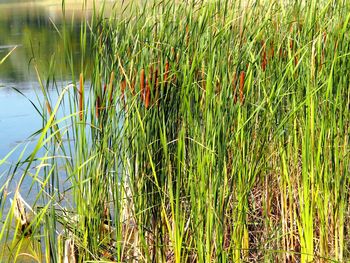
{"x": 31, "y": 27}
{"x": 34, "y": 28}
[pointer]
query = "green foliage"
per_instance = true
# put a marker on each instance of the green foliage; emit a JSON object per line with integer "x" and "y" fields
{"x": 208, "y": 131}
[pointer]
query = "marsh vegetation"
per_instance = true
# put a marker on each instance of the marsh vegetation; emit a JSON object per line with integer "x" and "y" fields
{"x": 198, "y": 131}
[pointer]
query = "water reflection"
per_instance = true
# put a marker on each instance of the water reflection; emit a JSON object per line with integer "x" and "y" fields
{"x": 32, "y": 27}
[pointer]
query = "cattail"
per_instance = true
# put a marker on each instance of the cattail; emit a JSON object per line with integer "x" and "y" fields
{"x": 280, "y": 52}
{"x": 264, "y": 59}
{"x": 166, "y": 73}
{"x": 110, "y": 87}
{"x": 148, "y": 94}
{"x": 48, "y": 106}
{"x": 234, "y": 85}
{"x": 81, "y": 95}
{"x": 122, "y": 89}
{"x": 241, "y": 86}
{"x": 324, "y": 37}
{"x": 142, "y": 84}
{"x": 187, "y": 35}
{"x": 98, "y": 105}
{"x": 296, "y": 60}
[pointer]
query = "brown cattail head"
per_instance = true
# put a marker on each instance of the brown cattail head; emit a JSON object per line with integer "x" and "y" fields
{"x": 48, "y": 107}
{"x": 81, "y": 95}
{"x": 98, "y": 105}
{"x": 187, "y": 35}
{"x": 122, "y": 90}
{"x": 241, "y": 87}
{"x": 296, "y": 60}
{"x": 148, "y": 94}
{"x": 324, "y": 37}
{"x": 166, "y": 73}
{"x": 142, "y": 84}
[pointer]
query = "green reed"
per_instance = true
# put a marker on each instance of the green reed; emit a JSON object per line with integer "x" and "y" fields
{"x": 207, "y": 131}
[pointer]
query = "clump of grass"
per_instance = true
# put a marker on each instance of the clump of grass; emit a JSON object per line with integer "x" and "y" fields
{"x": 173, "y": 168}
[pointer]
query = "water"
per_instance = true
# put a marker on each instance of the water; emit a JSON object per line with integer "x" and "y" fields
{"x": 34, "y": 28}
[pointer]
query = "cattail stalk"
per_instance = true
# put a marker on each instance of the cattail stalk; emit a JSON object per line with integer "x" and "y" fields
{"x": 48, "y": 107}
{"x": 98, "y": 105}
{"x": 187, "y": 35}
{"x": 142, "y": 84}
{"x": 122, "y": 89}
{"x": 296, "y": 59}
{"x": 81, "y": 96}
{"x": 166, "y": 73}
{"x": 148, "y": 94}
{"x": 241, "y": 86}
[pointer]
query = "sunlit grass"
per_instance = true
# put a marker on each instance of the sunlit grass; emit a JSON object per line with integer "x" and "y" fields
{"x": 207, "y": 131}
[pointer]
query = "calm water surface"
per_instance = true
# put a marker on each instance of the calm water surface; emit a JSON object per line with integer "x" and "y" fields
{"x": 31, "y": 27}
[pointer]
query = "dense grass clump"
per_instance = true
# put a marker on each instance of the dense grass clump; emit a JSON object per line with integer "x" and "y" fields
{"x": 209, "y": 131}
